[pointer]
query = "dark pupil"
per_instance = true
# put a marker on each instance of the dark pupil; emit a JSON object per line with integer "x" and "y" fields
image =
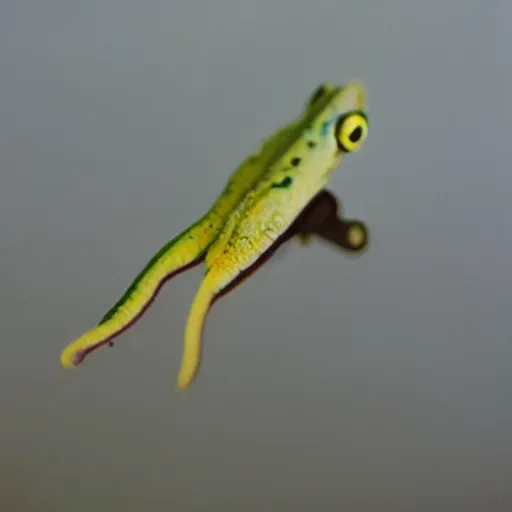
{"x": 356, "y": 134}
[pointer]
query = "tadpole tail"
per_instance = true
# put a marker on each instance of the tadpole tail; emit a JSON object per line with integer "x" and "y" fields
{"x": 183, "y": 252}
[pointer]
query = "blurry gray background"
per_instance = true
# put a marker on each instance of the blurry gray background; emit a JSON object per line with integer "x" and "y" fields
{"x": 381, "y": 383}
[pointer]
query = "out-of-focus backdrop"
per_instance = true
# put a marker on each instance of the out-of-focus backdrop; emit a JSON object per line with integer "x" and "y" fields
{"x": 380, "y": 383}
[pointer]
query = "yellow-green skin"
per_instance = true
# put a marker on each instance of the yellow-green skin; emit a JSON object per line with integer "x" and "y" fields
{"x": 260, "y": 201}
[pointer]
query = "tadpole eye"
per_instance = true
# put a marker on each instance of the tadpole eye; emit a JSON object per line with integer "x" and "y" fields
{"x": 351, "y": 131}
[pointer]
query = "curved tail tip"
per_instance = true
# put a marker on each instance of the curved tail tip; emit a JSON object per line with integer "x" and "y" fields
{"x": 68, "y": 358}
{"x": 184, "y": 381}
{"x": 186, "y": 375}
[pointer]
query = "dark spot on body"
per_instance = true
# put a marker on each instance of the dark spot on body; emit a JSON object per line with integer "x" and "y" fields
{"x": 110, "y": 343}
{"x": 295, "y": 161}
{"x": 283, "y": 184}
{"x": 311, "y": 144}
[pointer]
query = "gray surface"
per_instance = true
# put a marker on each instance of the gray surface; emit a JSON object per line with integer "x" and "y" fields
{"x": 327, "y": 384}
